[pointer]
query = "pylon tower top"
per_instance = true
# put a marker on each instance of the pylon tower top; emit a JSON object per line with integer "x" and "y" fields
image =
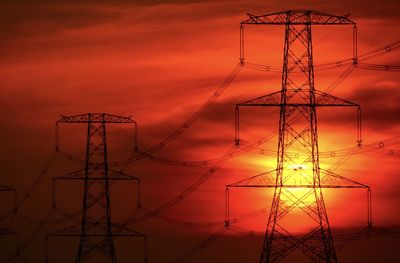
{"x": 299, "y": 17}
{"x": 95, "y": 118}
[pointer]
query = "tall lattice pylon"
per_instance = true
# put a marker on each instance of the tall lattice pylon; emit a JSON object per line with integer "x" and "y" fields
{"x": 10, "y": 189}
{"x": 298, "y": 178}
{"x": 5, "y": 231}
{"x": 96, "y": 230}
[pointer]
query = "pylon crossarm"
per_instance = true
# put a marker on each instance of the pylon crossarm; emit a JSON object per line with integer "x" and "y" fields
{"x": 118, "y": 175}
{"x": 322, "y": 99}
{"x": 80, "y": 175}
{"x": 269, "y": 99}
{"x": 95, "y": 118}
{"x": 325, "y": 99}
{"x": 117, "y": 230}
{"x": 74, "y": 230}
{"x": 5, "y": 231}
{"x": 6, "y": 188}
{"x": 267, "y": 179}
{"x": 298, "y": 17}
{"x": 330, "y": 179}
{"x": 120, "y": 230}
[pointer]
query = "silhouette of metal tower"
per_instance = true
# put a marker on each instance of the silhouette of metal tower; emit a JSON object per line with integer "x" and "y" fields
{"x": 4, "y": 231}
{"x": 6, "y": 188}
{"x": 96, "y": 230}
{"x": 298, "y": 178}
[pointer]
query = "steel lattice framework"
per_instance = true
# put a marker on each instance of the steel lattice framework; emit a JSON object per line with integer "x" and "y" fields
{"x": 96, "y": 230}
{"x": 3, "y": 230}
{"x": 298, "y": 180}
{"x": 7, "y": 188}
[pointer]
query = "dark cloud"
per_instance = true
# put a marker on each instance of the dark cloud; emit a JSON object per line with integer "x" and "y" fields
{"x": 40, "y": 20}
{"x": 132, "y": 2}
{"x": 380, "y": 106}
{"x": 21, "y": 14}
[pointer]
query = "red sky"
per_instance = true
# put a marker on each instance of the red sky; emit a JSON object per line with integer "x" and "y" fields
{"x": 159, "y": 61}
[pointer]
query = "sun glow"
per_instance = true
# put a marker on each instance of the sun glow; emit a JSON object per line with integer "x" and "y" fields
{"x": 297, "y": 175}
{"x": 297, "y": 186}
{"x": 296, "y": 167}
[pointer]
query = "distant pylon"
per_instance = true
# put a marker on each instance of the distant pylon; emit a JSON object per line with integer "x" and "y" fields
{"x": 96, "y": 230}
{"x": 6, "y": 188}
{"x": 5, "y": 231}
{"x": 298, "y": 178}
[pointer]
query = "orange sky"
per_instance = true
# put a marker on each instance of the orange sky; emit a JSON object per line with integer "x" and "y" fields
{"x": 158, "y": 61}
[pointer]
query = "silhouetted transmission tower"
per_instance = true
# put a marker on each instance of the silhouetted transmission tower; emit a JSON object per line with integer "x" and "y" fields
{"x": 298, "y": 178}
{"x": 10, "y": 189}
{"x": 4, "y": 231}
{"x": 96, "y": 230}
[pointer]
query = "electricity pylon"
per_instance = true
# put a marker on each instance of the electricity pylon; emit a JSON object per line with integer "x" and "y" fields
{"x": 4, "y": 231}
{"x": 7, "y": 188}
{"x": 298, "y": 178}
{"x": 96, "y": 230}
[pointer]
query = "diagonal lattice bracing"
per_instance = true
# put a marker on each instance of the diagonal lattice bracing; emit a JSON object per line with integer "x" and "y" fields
{"x": 298, "y": 179}
{"x": 96, "y": 231}
{"x": 4, "y": 231}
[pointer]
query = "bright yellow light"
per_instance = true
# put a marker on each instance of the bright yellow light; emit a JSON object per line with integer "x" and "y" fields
{"x": 297, "y": 167}
{"x": 296, "y": 178}
{"x": 297, "y": 175}
{"x": 297, "y": 197}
